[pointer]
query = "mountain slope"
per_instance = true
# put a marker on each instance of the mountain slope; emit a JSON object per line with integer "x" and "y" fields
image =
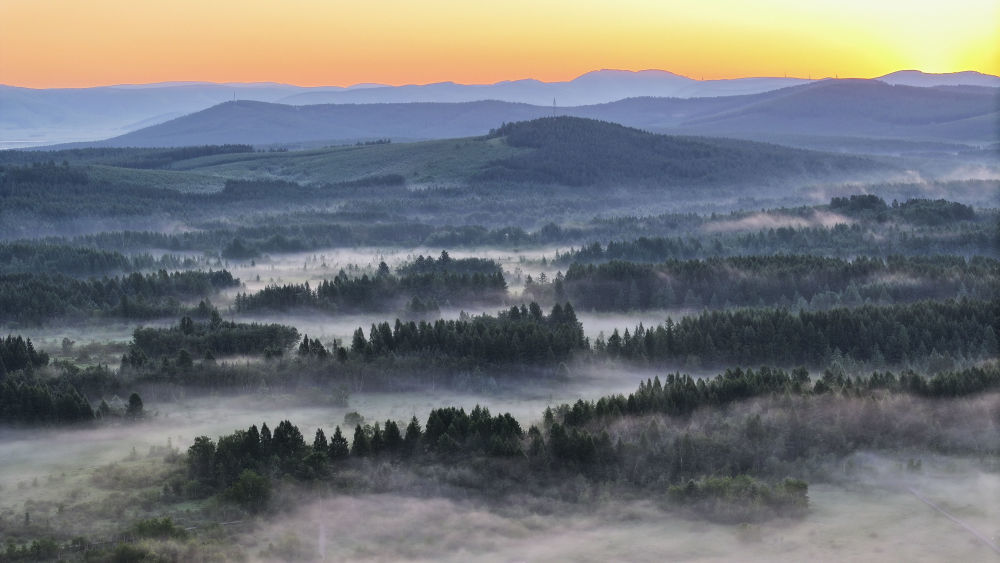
{"x": 264, "y": 123}
{"x": 859, "y": 108}
{"x": 582, "y": 152}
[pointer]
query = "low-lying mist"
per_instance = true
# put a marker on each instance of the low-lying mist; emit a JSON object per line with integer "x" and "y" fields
{"x": 876, "y": 517}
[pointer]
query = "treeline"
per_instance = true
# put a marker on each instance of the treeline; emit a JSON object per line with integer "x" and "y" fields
{"x": 679, "y": 394}
{"x": 446, "y": 264}
{"x": 79, "y": 261}
{"x": 790, "y": 281}
{"x": 684, "y": 429}
{"x": 125, "y": 157}
{"x": 63, "y": 191}
{"x": 470, "y": 352}
{"x": 241, "y": 466}
{"x": 891, "y": 335}
{"x": 215, "y": 337}
{"x": 844, "y": 241}
{"x": 914, "y": 211}
{"x": 518, "y": 335}
{"x": 38, "y": 298}
{"x": 732, "y": 466}
{"x": 640, "y": 239}
{"x": 418, "y": 292}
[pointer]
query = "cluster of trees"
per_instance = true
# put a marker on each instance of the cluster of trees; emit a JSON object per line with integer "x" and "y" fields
{"x": 37, "y": 257}
{"x": 421, "y": 287}
{"x": 445, "y": 263}
{"x": 892, "y": 334}
{"x": 37, "y": 298}
{"x": 240, "y": 465}
{"x": 17, "y": 353}
{"x": 914, "y": 211}
{"x": 518, "y": 335}
{"x": 796, "y": 281}
{"x": 25, "y": 400}
{"x": 215, "y": 337}
{"x": 29, "y": 399}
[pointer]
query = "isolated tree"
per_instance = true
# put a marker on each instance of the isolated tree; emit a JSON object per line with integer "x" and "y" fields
{"x": 391, "y": 437}
{"x": 134, "y": 408}
{"x": 412, "y": 437}
{"x": 339, "y": 448}
{"x": 360, "y": 447}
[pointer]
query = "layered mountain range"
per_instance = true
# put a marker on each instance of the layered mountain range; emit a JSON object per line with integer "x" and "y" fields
{"x": 956, "y": 108}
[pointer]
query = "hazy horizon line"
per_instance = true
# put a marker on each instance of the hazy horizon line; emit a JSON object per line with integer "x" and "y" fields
{"x": 365, "y": 85}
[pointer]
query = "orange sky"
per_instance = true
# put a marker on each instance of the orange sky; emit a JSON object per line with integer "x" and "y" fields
{"x": 75, "y": 43}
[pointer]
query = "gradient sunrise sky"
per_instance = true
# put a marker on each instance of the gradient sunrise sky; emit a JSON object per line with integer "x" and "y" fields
{"x": 77, "y": 43}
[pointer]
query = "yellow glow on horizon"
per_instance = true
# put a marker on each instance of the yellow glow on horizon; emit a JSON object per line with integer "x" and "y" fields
{"x": 69, "y": 43}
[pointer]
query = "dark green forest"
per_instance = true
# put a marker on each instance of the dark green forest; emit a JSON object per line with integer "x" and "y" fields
{"x": 419, "y": 287}
{"x": 34, "y": 299}
{"x": 602, "y": 440}
{"x": 789, "y": 281}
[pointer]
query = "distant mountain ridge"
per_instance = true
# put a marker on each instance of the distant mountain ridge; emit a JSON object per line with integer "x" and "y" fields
{"x": 831, "y": 108}
{"x": 927, "y": 79}
{"x": 32, "y": 117}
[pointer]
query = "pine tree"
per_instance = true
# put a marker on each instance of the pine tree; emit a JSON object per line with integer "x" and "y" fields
{"x": 319, "y": 442}
{"x": 360, "y": 446}
{"x": 338, "y": 446}
{"x": 412, "y": 438}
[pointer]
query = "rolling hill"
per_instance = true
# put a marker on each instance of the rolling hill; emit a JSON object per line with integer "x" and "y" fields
{"x": 856, "y": 110}
{"x": 261, "y": 123}
{"x": 582, "y": 152}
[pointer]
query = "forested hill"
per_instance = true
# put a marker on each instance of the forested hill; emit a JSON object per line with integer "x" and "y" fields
{"x": 581, "y": 152}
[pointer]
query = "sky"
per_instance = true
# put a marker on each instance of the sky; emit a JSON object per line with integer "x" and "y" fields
{"x": 77, "y": 43}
